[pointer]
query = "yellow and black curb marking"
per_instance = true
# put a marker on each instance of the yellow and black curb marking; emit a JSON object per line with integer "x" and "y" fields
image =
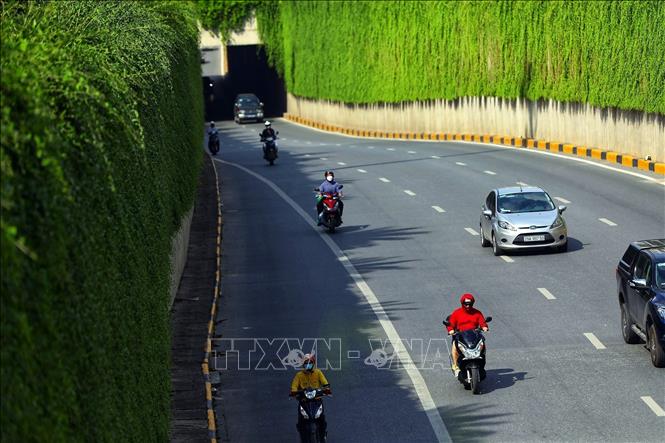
{"x": 212, "y": 427}
{"x": 518, "y": 142}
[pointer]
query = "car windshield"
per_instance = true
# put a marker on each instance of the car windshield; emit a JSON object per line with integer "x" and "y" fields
{"x": 660, "y": 275}
{"x": 525, "y": 202}
{"x": 247, "y": 100}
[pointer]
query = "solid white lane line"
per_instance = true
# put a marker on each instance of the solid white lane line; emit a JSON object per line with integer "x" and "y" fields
{"x": 522, "y": 184}
{"x": 362, "y": 170}
{"x": 460, "y": 163}
{"x": 435, "y": 156}
{"x": 562, "y": 200}
{"x": 370, "y": 299}
{"x": 384, "y": 180}
{"x": 607, "y": 222}
{"x": 655, "y": 407}
{"x": 407, "y": 192}
{"x": 490, "y": 172}
{"x": 471, "y": 231}
{"x": 548, "y": 295}
{"x": 594, "y": 340}
{"x": 390, "y": 149}
{"x": 412, "y": 152}
{"x": 341, "y": 163}
{"x": 438, "y": 209}
{"x": 506, "y": 259}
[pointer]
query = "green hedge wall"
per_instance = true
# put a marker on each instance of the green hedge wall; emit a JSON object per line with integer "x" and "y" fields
{"x": 100, "y": 152}
{"x": 607, "y": 53}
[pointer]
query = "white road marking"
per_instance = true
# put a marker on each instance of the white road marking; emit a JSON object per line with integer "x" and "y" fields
{"x": 594, "y": 340}
{"x": 607, "y": 222}
{"x": 548, "y": 295}
{"x": 655, "y": 407}
{"x": 384, "y": 180}
{"x": 309, "y": 143}
{"x": 412, "y": 152}
{"x": 562, "y": 200}
{"x": 370, "y": 147}
{"x": 490, "y": 172}
{"x": 362, "y": 170}
{"x": 471, "y": 231}
{"x": 341, "y": 163}
{"x": 460, "y": 163}
{"x": 324, "y": 158}
{"x": 400, "y": 351}
{"x": 307, "y": 155}
{"x": 407, "y": 192}
{"x": 338, "y": 144}
{"x": 506, "y": 259}
{"x": 390, "y": 149}
{"x": 435, "y": 156}
{"x": 438, "y": 209}
{"x": 522, "y": 184}
{"x": 322, "y": 144}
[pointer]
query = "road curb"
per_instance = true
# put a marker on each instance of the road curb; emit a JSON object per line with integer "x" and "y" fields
{"x": 518, "y": 142}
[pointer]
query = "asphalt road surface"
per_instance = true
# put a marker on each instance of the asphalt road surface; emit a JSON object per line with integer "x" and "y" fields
{"x": 370, "y": 298}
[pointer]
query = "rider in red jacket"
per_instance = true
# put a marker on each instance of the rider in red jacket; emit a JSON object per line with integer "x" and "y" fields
{"x": 463, "y": 319}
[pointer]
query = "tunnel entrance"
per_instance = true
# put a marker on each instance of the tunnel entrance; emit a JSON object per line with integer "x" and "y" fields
{"x": 248, "y": 72}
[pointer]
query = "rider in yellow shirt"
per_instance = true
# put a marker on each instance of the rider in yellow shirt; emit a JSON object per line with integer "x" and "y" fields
{"x": 310, "y": 377}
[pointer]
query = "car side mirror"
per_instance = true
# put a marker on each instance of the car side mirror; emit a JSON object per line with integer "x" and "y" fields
{"x": 562, "y": 208}
{"x": 488, "y": 319}
{"x": 487, "y": 213}
{"x": 638, "y": 283}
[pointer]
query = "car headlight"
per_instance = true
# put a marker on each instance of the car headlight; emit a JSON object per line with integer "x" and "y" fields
{"x": 505, "y": 225}
{"x": 661, "y": 312}
{"x": 557, "y": 223}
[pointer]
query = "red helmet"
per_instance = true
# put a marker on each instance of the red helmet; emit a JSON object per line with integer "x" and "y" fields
{"x": 467, "y": 299}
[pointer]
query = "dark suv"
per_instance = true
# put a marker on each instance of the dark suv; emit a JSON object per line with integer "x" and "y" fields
{"x": 641, "y": 288}
{"x": 247, "y": 107}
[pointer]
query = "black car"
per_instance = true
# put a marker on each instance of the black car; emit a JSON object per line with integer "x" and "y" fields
{"x": 247, "y": 107}
{"x": 641, "y": 288}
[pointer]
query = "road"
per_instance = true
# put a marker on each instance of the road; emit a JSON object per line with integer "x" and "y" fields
{"x": 558, "y": 369}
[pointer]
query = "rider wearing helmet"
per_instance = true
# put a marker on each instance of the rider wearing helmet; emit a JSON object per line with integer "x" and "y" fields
{"x": 268, "y": 131}
{"x": 310, "y": 377}
{"x": 462, "y": 319}
{"x": 329, "y": 185}
{"x": 213, "y": 135}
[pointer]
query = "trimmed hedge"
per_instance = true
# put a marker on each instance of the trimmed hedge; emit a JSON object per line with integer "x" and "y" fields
{"x": 606, "y": 53}
{"x": 100, "y": 152}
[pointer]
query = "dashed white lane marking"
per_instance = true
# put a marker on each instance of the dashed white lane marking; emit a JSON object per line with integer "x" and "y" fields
{"x": 594, "y": 340}
{"x": 324, "y": 158}
{"x": 506, "y": 259}
{"x": 522, "y": 184}
{"x": 341, "y": 163}
{"x": 370, "y": 147}
{"x": 390, "y": 149}
{"x": 460, "y": 163}
{"x": 562, "y": 200}
{"x": 309, "y": 143}
{"x": 419, "y": 386}
{"x": 284, "y": 139}
{"x": 322, "y": 144}
{"x": 471, "y": 231}
{"x": 407, "y": 192}
{"x": 438, "y": 209}
{"x": 362, "y": 170}
{"x": 307, "y": 155}
{"x": 338, "y": 144}
{"x": 607, "y": 222}
{"x": 384, "y": 180}
{"x": 490, "y": 172}
{"x": 655, "y": 407}
{"x": 434, "y": 156}
{"x": 412, "y": 152}
{"x": 548, "y": 295}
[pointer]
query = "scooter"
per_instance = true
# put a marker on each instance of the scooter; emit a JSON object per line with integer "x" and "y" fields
{"x": 310, "y": 407}
{"x": 471, "y": 356}
{"x": 270, "y": 150}
{"x": 330, "y": 218}
{"x": 213, "y": 143}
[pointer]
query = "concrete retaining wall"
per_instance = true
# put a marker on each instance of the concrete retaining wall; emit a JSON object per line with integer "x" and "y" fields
{"x": 179, "y": 246}
{"x": 629, "y": 132}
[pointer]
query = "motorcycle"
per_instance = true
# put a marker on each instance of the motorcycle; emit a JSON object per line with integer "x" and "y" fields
{"x": 213, "y": 143}
{"x": 310, "y": 407}
{"x": 471, "y": 356}
{"x": 269, "y": 149}
{"x": 331, "y": 218}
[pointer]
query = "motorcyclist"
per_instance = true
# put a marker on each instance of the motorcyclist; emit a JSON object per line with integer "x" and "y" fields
{"x": 463, "y": 319}
{"x": 329, "y": 185}
{"x": 310, "y": 377}
{"x": 267, "y": 132}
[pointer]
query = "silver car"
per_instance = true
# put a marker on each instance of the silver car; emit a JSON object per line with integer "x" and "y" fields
{"x": 522, "y": 218}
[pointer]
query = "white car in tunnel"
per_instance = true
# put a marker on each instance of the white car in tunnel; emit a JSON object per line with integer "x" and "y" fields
{"x": 522, "y": 218}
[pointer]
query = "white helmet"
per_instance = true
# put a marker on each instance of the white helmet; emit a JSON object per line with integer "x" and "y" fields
{"x": 267, "y": 123}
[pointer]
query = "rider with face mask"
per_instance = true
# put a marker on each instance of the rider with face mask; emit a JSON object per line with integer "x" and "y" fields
{"x": 329, "y": 186}
{"x": 463, "y": 319}
{"x": 310, "y": 377}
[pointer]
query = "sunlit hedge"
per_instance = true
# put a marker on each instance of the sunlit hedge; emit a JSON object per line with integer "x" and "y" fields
{"x": 607, "y": 53}
{"x": 101, "y": 135}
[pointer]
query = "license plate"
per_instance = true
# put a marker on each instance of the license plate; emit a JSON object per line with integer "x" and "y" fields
{"x": 534, "y": 238}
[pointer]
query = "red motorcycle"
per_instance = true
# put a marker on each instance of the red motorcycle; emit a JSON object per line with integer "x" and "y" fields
{"x": 330, "y": 217}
